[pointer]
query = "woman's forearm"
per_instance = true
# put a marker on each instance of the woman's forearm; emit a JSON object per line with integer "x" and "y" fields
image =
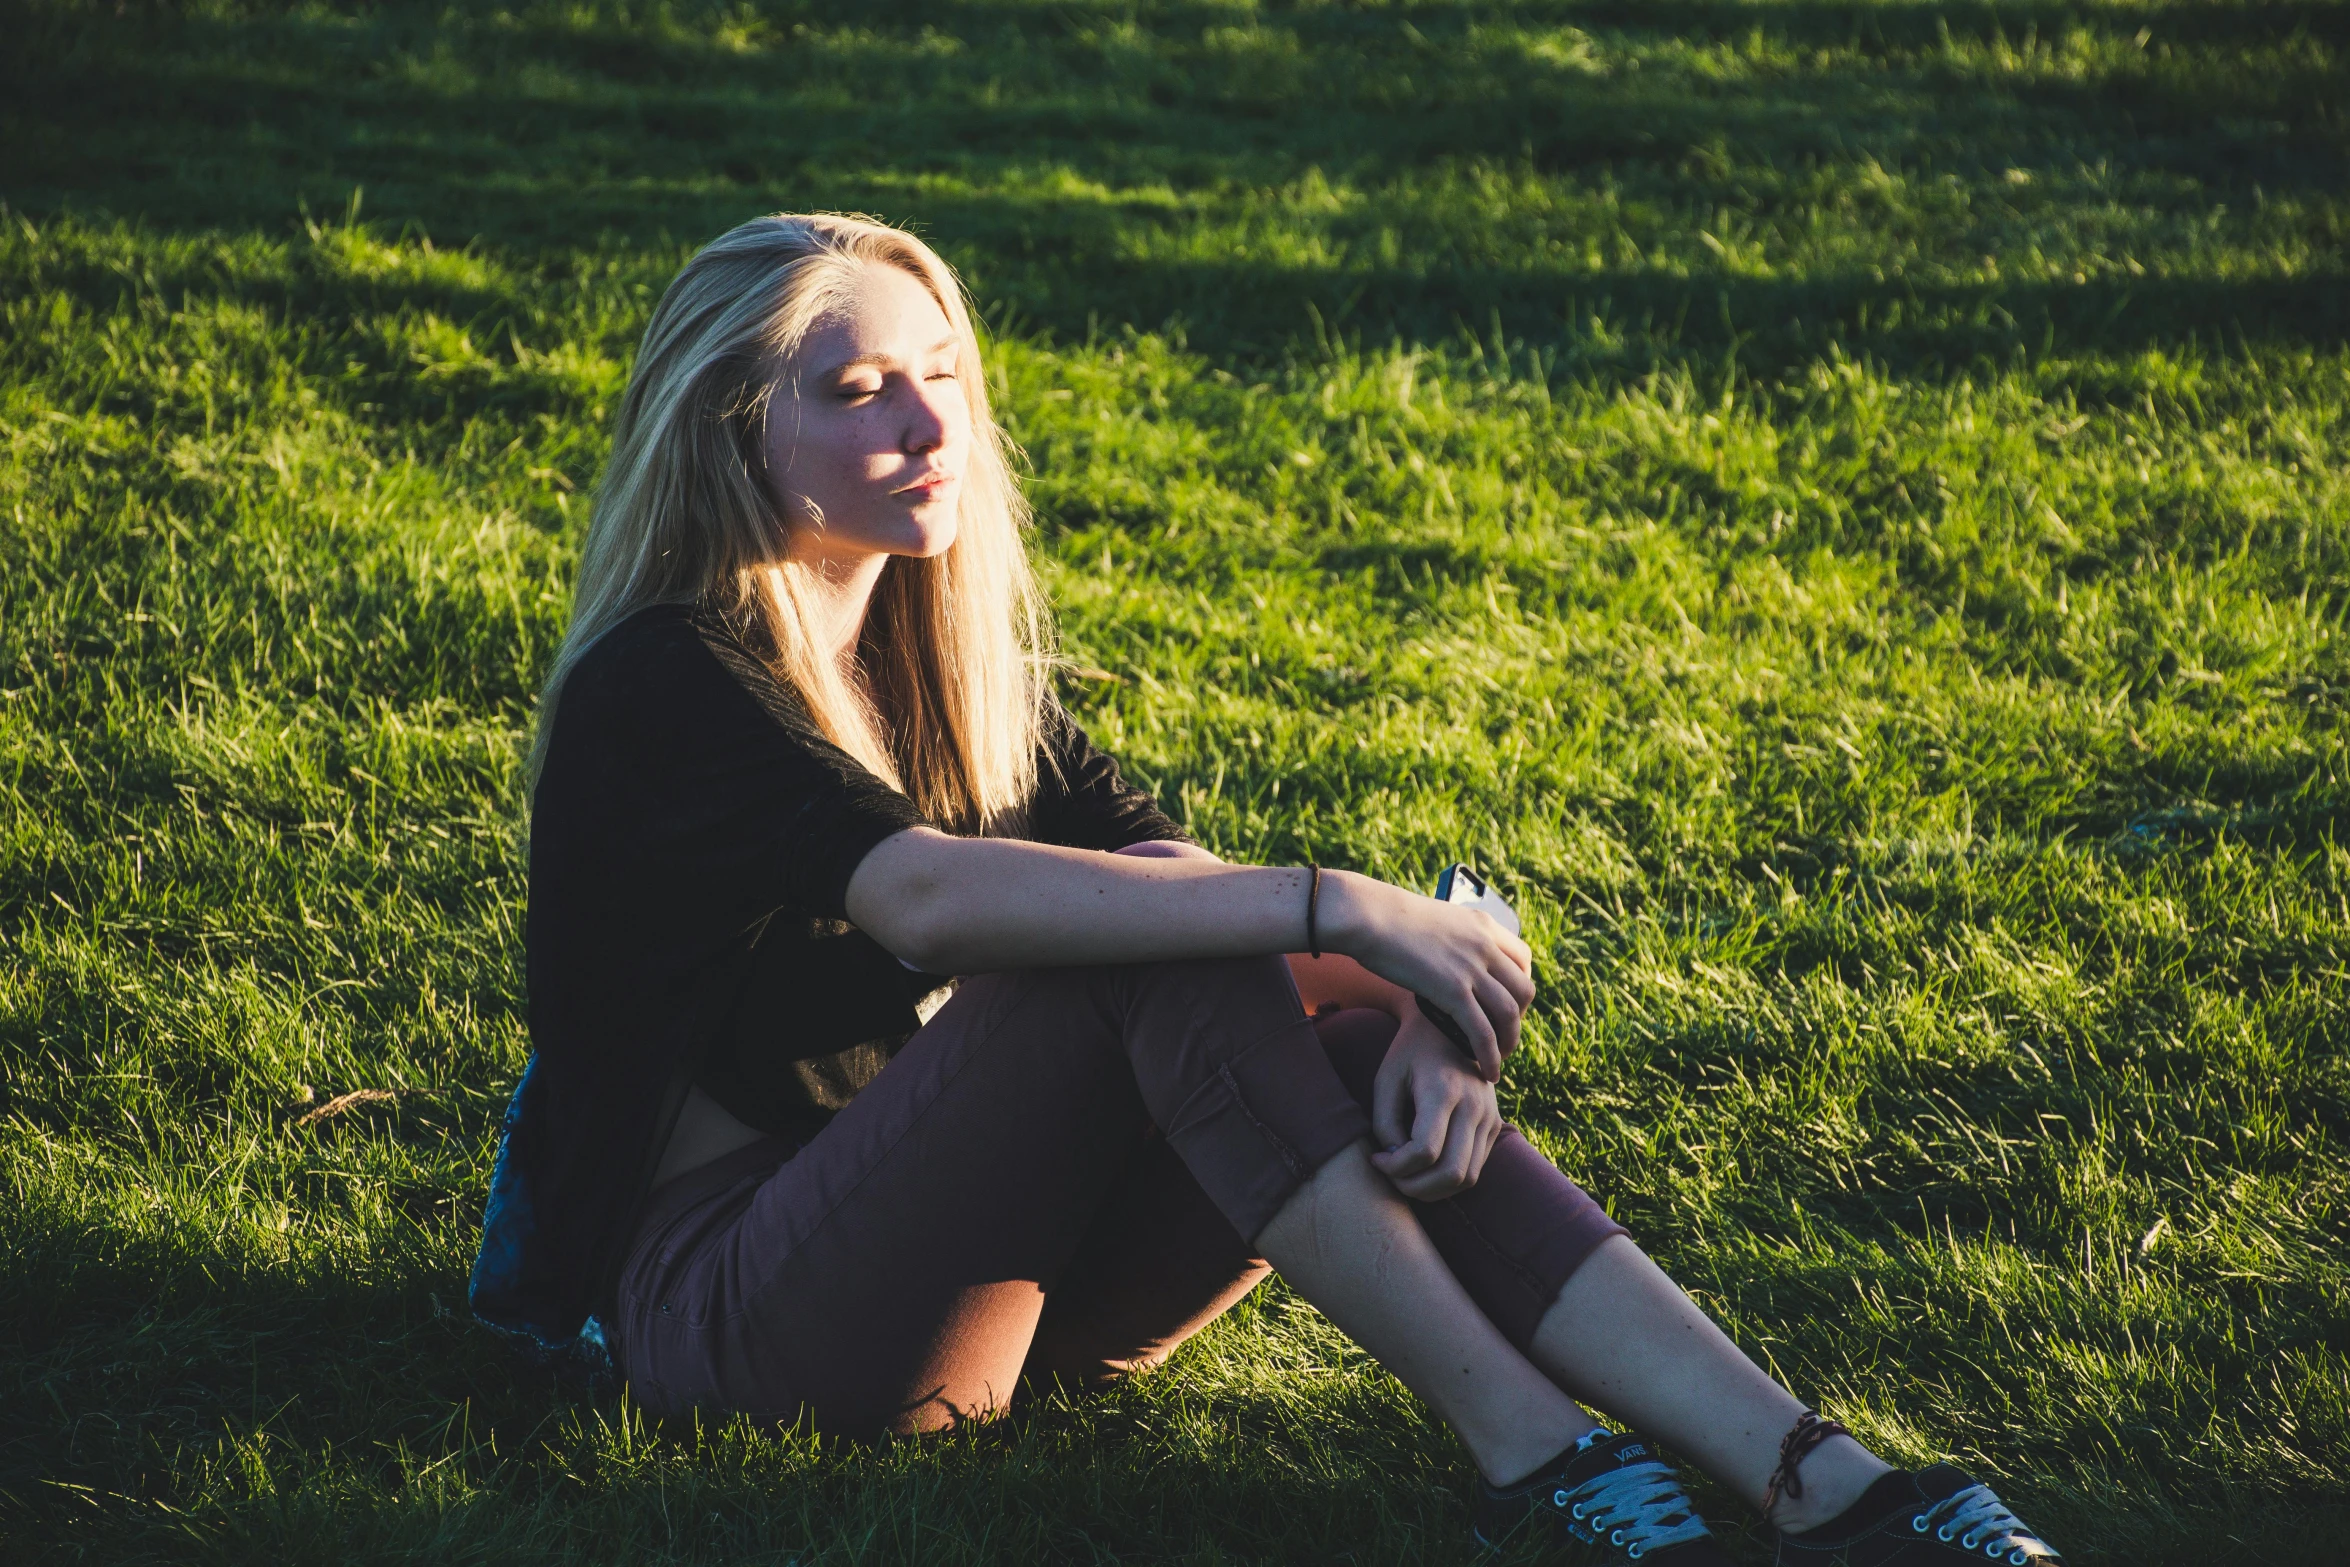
{"x": 1327, "y": 979}
{"x": 969, "y": 905}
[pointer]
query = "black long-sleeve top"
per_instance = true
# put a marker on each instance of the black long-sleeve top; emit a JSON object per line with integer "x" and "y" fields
{"x": 692, "y": 839}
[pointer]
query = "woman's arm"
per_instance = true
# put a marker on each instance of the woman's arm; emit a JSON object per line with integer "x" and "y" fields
{"x": 1323, "y": 981}
{"x": 968, "y": 905}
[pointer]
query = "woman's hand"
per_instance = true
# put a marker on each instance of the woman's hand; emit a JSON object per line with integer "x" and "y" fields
{"x": 1481, "y": 975}
{"x": 1435, "y": 1117}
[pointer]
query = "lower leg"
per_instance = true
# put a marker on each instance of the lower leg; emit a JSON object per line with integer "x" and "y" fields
{"x": 1348, "y": 1242}
{"x": 1625, "y": 1336}
{"x": 1617, "y": 1332}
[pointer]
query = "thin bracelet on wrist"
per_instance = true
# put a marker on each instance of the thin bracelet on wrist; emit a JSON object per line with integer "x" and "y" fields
{"x": 1313, "y": 898}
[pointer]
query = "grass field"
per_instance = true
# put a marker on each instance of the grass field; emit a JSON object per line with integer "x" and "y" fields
{"x": 1841, "y": 507}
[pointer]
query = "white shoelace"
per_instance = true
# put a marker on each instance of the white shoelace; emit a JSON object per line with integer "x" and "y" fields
{"x": 1978, "y": 1520}
{"x": 1633, "y": 1508}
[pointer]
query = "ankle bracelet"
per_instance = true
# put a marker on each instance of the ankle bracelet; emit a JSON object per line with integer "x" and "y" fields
{"x": 1787, "y": 1480}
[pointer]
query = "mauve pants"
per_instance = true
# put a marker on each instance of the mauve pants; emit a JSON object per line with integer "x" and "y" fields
{"x": 1054, "y": 1177}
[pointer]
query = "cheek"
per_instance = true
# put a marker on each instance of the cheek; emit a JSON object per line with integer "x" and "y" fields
{"x": 831, "y": 456}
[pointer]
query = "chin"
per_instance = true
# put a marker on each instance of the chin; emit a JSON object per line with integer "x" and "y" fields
{"x": 932, "y": 536}
{"x": 921, "y": 543}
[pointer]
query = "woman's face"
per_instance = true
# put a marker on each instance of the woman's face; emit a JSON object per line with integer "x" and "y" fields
{"x": 868, "y": 458}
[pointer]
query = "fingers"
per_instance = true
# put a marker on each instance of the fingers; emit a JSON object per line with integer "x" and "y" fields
{"x": 1491, "y": 1050}
{"x": 1464, "y": 1013}
{"x": 1507, "y": 989}
{"x": 1488, "y": 1139}
{"x": 1482, "y": 1120}
{"x": 1505, "y": 1012}
{"x": 1426, "y": 1149}
{"x": 1514, "y": 947}
{"x": 1404, "y": 1165}
{"x": 1503, "y": 990}
{"x": 1492, "y": 1020}
{"x": 1432, "y": 1120}
{"x": 1431, "y": 1102}
{"x": 1450, "y": 1174}
{"x": 1489, "y": 1012}
{"x": 1517, "y": 976}
{"x": 1457, "y": 1132}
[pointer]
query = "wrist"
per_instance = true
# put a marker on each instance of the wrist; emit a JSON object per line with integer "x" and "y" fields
{"x": 1419, "y": 1037}
{"x": 1341, "y": 919}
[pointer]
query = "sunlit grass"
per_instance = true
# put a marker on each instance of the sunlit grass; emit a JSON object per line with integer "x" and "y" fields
{"x": 1840, "y": 509}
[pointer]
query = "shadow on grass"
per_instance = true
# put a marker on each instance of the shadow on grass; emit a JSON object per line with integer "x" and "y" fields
{"x": 1173, "y": 174}
{"x": 179, "y": 1396}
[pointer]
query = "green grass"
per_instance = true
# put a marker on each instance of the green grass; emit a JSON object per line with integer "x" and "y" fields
{"x": 1840, "y": 506}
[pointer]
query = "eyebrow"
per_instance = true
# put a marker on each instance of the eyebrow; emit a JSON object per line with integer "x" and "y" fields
{"x": 879, "y": 358}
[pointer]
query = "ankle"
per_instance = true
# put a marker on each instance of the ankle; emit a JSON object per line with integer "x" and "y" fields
{"x": 1834, "y": 1476}
{"x": 1514, "y": 1462}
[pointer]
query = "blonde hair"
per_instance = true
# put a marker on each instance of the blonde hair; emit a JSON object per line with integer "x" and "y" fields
{"x": 944, "y": 694}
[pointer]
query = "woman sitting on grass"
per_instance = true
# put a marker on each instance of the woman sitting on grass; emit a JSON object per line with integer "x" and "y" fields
{"x": 799, "y": 759}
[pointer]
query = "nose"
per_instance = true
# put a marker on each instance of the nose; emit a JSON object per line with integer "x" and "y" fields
{"x": 928, "y": 416}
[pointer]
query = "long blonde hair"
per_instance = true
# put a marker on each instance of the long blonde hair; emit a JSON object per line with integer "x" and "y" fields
{"x": 944, "y": 695}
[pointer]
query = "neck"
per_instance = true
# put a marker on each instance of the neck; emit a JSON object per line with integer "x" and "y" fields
{"x": 842, "y": 587}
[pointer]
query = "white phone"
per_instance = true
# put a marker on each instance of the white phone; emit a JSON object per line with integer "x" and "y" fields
{"x": 1461, "y": 885}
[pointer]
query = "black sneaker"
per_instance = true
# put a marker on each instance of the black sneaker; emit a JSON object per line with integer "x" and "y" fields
{"x": 1607, "y": 1489}
{"x": 1936, "y": 1517}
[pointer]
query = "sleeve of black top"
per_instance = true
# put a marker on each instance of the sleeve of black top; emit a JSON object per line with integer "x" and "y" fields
{"x": 746, "y": 808}
{"x": 1083, "y": 802}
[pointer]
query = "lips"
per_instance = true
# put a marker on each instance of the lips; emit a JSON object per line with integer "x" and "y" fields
{"x": 929, "y": 483}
